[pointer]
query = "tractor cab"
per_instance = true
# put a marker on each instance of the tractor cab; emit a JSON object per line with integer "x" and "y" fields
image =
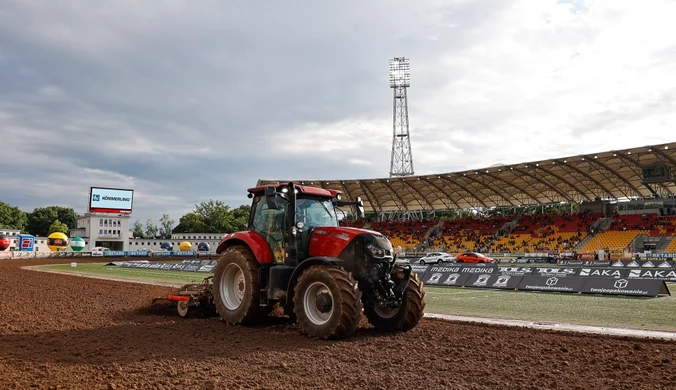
{"x": 272, "y": 218}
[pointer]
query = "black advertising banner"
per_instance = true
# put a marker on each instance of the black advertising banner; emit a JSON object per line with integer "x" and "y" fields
{"x": 515, "y": 271}
{"x": 509, "y": 282}
{"x": 166, "y": 266}
{"x": 445, "y": 278}
{"x": 206, "y": 268}
{"x": 571, "y": 262}
{"x": 603, "y": 273}
{"x": 657, "y": 263}
{"x": 191, "y": 268}
{"x": 637, "y": 287}
{"x": 558, "y": 272}
{"x": 435, "y": 273}
{"x": 669, "y": 256}
{"x": 650, "y": 263}
{"x": 654, "y": 274}
{"x": 586, "y": 263}
{"x": 177, "y": 267}
{"x": 552, "y": 283}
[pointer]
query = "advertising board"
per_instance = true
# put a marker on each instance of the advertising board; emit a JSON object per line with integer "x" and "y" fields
{"x": 110, "y": 200}
{"x": 640, "y": 287}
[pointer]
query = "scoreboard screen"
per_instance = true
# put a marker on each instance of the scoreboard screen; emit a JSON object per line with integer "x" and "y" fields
{"x": 656, "y": 173}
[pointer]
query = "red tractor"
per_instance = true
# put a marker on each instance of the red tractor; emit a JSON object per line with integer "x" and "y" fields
{"x": 323, "y": 275}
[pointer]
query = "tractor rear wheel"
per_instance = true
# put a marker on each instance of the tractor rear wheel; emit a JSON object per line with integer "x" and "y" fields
{"x": 406, "y": 316}
{"x": 235, "y": 286}
{"x": 327, "y": 302}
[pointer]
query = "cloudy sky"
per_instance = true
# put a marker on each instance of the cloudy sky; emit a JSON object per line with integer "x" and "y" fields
{"x": 186, "y": 101}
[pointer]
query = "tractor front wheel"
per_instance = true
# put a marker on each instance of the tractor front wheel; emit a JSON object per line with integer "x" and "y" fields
{"x": 235, "y": 286}
{"x": 327, "y": 302}
{"x": 404, "y": 317}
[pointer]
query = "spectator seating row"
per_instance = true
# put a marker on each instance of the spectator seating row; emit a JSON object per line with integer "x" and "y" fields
{"x": 547, "y": 232}
{"x": 404, "y": 234}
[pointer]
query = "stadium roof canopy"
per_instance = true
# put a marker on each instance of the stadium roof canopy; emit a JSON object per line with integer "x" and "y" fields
{"x": 636, "y": 173}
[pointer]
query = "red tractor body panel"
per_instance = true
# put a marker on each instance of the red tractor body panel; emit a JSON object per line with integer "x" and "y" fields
{"x": 255, "y": 241}
{"x": 330, "y": 241}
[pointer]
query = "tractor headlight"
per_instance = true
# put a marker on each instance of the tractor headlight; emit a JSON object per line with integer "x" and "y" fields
{"x": 377, "y": 252}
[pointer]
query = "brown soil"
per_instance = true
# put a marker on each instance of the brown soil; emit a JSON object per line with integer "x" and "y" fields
{"x": 60, "y": 331}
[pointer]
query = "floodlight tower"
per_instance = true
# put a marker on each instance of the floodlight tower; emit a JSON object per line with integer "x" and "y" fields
{"x": 401, "y": 163}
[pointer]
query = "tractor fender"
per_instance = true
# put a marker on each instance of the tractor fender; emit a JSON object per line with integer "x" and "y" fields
{"x": 305, "y": 264}
{"x": 259, "y": 247}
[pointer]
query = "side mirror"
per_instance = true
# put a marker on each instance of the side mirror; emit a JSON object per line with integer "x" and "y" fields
{"x": 360, "y": 207}
{"x": 271, "y": 198}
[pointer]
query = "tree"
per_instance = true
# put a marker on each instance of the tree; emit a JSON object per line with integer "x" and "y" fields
{"x": 214, "y": 216}
{"x": 240, "y": 218}
{"x": 57, "y": 226}
{"x": 151, "y": 229}
{"x": 166, "y": 225}
{"x": 39, "y": 221}
{"x": 12, "y": 217}
{"x": 190, "y": 223}
{"x": 138, "y": 230}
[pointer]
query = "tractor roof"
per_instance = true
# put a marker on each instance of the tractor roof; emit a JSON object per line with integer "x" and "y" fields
{"x": 301, "y": 190}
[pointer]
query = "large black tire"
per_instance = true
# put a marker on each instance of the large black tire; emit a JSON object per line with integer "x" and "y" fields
{"x": 235, "y": 286}
{"x": 406, "y": 316}
{"x": 327, "y": 302}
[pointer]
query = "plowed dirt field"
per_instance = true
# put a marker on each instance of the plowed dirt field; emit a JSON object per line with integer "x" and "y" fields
{"x": 66, "y": 332}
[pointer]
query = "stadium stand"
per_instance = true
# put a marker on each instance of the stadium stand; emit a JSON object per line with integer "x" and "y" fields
{"x": 622, "y": 231}
{"x": 672, "y": 247}
{"x": 404, "y": 234}
{"x": 546, "y": 232}
{"x": 471, "y": 234}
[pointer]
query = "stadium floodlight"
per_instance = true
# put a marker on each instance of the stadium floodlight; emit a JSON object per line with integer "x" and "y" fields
{"x": 400, "y": 72}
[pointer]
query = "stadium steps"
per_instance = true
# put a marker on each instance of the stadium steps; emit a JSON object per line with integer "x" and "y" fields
{"x": 666, "y": 244}
{"x": 583, "y": 242}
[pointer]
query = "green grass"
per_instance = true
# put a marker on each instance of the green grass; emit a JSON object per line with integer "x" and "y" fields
{"x": 152, "y": 275}
{"x": 633, "y": 312}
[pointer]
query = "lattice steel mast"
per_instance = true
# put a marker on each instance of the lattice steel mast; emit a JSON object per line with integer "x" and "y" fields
{"x": 400, "y": 78}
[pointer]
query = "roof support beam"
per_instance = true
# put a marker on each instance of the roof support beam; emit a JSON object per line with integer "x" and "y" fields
{"x": 551, "y": 187}
{"x": 445, "y": 178}
{"x": 402, "y": 204}
{"x": 410, "y": 188}
{"x": 604, "y": 166}
{"x": 448, "y": 196}
{"x": 505, "y": 182}
{"x": 568, "y": 183}
{"x": 490, "y": 189}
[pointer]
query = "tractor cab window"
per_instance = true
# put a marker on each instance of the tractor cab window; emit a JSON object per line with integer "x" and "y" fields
{"x": 316, "y": 212}
{"x": 270, "y": 224}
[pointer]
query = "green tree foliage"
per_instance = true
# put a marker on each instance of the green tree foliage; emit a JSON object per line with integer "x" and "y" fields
{"x": 57, "y": 226}
{"x": 138, "y": 230}
{"x": 190, "y": 223}
{"x": 151, "y": 229}
{"x": 166, "y": 226}
{"x": 40, "y": 220}
{"x": 214, "y": 216}
{"x": 12, "y": 217}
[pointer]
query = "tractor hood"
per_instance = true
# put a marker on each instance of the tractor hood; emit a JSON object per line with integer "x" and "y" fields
{"x": 331, "y": 241}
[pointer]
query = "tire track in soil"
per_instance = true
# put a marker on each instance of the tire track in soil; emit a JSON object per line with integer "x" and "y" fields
{"x": 60, "y": 331}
